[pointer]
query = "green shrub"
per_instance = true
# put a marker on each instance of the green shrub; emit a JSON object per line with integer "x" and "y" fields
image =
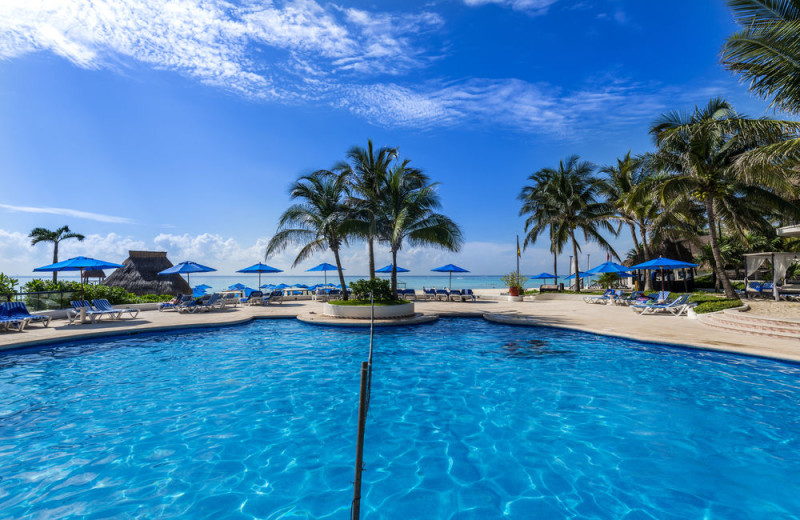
{"x": 115, "y": 295}
{"x": 155, "y": 298}
{"x": 8, "y": 286}
{"x": 381, "y": 289}
{"x": 719, "y": 304}
{"x": 514, "y": 279}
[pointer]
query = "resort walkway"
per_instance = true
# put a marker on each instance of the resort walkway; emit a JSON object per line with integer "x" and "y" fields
{"x": 564, "y": 313}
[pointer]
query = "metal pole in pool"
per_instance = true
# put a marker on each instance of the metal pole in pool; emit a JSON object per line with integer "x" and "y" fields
{"x": 362, "y": 419}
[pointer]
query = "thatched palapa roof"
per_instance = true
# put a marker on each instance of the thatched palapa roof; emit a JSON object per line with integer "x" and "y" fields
{"x": 140, "y": 275}
{"x": 93, "y": 273}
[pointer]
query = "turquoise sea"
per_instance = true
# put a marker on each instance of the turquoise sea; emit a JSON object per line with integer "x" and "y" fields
{"x": 220, "y": 282}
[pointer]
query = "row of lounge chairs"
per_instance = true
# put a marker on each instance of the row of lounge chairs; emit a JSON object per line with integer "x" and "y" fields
{"x": 766, "y": 290}
{"x": 97, "y": 309}
{"x": 188, "y": 304}
{"x": 644, "y": 304}
{"x": 446, "y": 294}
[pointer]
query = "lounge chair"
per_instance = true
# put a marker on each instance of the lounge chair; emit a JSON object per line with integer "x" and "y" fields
{"x": 606, "y": 297}
{"x": 442, "y": 294}
{"x": 254, "y": 298}
{"x": 273, "y": 297}
{"x": 766, "y": 289}
{"x": 177, "y": 301}
{"x": 629, "y": 299}
{"x": 213, "y": 302}
{"x": 410, "y": 293}
{"x": 17, "y": 324}
{"x": 94, "y": 314}
{"x": 430, "y": 294}
{"x": 105, "y": 305}
{"x": 229, "y": 299}
{"x": 19, "y": 311}
{"x": 676, "y": 307}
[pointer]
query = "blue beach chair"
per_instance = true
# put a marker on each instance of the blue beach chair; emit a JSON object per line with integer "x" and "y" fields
{"x": 91, "y": 312}
{"x": 599, "y": 299}
{"x": 105, "y": 305}
{"x": 19, "y": 311}
{"x": 676, "y": 307}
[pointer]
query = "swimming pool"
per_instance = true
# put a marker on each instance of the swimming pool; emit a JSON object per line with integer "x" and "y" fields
{"x": 468, "y": 419}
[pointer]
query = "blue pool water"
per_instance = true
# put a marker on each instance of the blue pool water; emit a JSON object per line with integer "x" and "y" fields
{"x": 468, "y": 420}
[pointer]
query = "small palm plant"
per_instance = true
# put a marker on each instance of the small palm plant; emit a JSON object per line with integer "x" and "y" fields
{"x": 45, "y": 235}
{"x": 318, "y": 221}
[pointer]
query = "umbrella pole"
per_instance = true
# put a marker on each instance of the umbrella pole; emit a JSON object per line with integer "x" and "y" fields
{"x": 451, "y": 281}
{"x": 82, "y": 296}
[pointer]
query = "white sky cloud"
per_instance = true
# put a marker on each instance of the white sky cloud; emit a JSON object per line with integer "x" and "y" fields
{"x": 99, "y": 217}
{"x": 304, "y": 51}
{"x": 18, "y": 257}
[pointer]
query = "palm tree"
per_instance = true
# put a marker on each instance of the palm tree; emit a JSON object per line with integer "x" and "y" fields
{"x": 407, "y": 213}
{"x": 765, "y": 52}
{"x": 45, "y": 235}
{"x": 567, "y": 199}
{"x": 318, "y": 221}
{"x": 542, "y": 213}
{"x": 700, "y": 154}
{"x": 363, "y": 171}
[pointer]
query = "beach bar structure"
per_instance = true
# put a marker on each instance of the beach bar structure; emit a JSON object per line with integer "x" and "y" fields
{"x": 139, "y": 275}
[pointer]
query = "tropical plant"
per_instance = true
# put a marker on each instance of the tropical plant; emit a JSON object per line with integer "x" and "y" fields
{"x": 608, "y": 279}
{"x": 514, "y": 279}
{"x": 699, "y": 155}
{"x": 363, "y": 172}
{"x": 8, "y": 286}
{"x": 381, "y": 290}
{"x": 565, "y": 200}
{"x": 45, "y": 235}
{"x": 406, "y": 212}
{"x": 317, "y": 222}
{"x": 765, "y": 52}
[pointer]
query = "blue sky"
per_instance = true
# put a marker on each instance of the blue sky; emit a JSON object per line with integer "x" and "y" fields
{"x": 179, "y": 125}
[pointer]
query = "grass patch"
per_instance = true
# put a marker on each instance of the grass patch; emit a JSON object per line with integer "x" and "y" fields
{"x": 710, "y": 303}
{"x": 365, "y": 303}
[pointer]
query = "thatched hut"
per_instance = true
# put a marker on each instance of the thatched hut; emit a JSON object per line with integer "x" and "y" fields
{"x": 90, "y": 274}
{"x": 140, "y": 275}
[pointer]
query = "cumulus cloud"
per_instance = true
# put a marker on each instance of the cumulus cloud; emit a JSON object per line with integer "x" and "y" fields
{"x": 227, "y": 255}
{"x": 99, "y": 217}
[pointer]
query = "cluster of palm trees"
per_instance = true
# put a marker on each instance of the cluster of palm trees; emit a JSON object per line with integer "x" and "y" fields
{"x": 707, "y": 176}
{"x": 714, "y": 172}
{"x": 371, "y": 196}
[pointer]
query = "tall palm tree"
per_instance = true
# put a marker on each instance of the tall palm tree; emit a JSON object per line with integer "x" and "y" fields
{"x": 765, "y": 51}
{"x": 567, "y": 199}
{"x": 542, "y": 213}
{"x": 700, "y": 152}
{"x": 363, "y": 170}
{"x": 45, "y": 235}
{"x": 407, "y": 207}
{"x": 620, "y": 182}
{"x": 318, "y": 221}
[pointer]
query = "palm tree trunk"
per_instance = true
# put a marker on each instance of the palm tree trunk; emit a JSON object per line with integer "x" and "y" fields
{"x": 55, "y": 259}
{"x": 575, "y": 255}
{"x": 341, "y": 273}
{"x": 371, "y": 243}
{"x": 633, "y": 235}
{"x": 394, "y": 273}
{"x": 648, "y": 282}
{"x": 719, "y": 267}
{"x": 555, "y": 266}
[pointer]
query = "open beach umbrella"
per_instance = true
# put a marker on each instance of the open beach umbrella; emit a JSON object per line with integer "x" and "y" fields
{"x": 260, "y": 268}
{"x": 203, "y": 287}
{"x": 661, "y": 264}
{"x": 608, "y": 267}
{"x": 388, "y": 269}
{"x": 450, "y": 268}
{"x": 544, "y": 276}
{"x": 582, "y": 274}
{"x": 79, "y": 263}
{"x": 199, "y": 291}
{"x": 237, "y": 287}
{"x": 324, "y": 267}
{"x": 187, "y": 268}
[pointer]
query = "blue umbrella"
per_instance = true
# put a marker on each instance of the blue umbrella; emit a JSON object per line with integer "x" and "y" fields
{"x": 198, "y": 291}
{"x": 237, "y": 287}
{"x": 544, "y": 276}
{"x": 260, "y": 268}
{"x": 662, "y": 263}
{"x": 388, "y": 269}
{"x": 324, "y": 267}
{"x": 187, "y": 268}
{"x": 267, "y": 286}
{"x": 580, "y": 273}
{"x": 450, "y": 268}
{"x": 300, "y": 286}
{"x": 203, "y": 286}
{"x": 79, "y": 263}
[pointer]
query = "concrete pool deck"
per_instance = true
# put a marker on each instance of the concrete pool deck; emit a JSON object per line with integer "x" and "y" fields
{"x": 563, "y": 312}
